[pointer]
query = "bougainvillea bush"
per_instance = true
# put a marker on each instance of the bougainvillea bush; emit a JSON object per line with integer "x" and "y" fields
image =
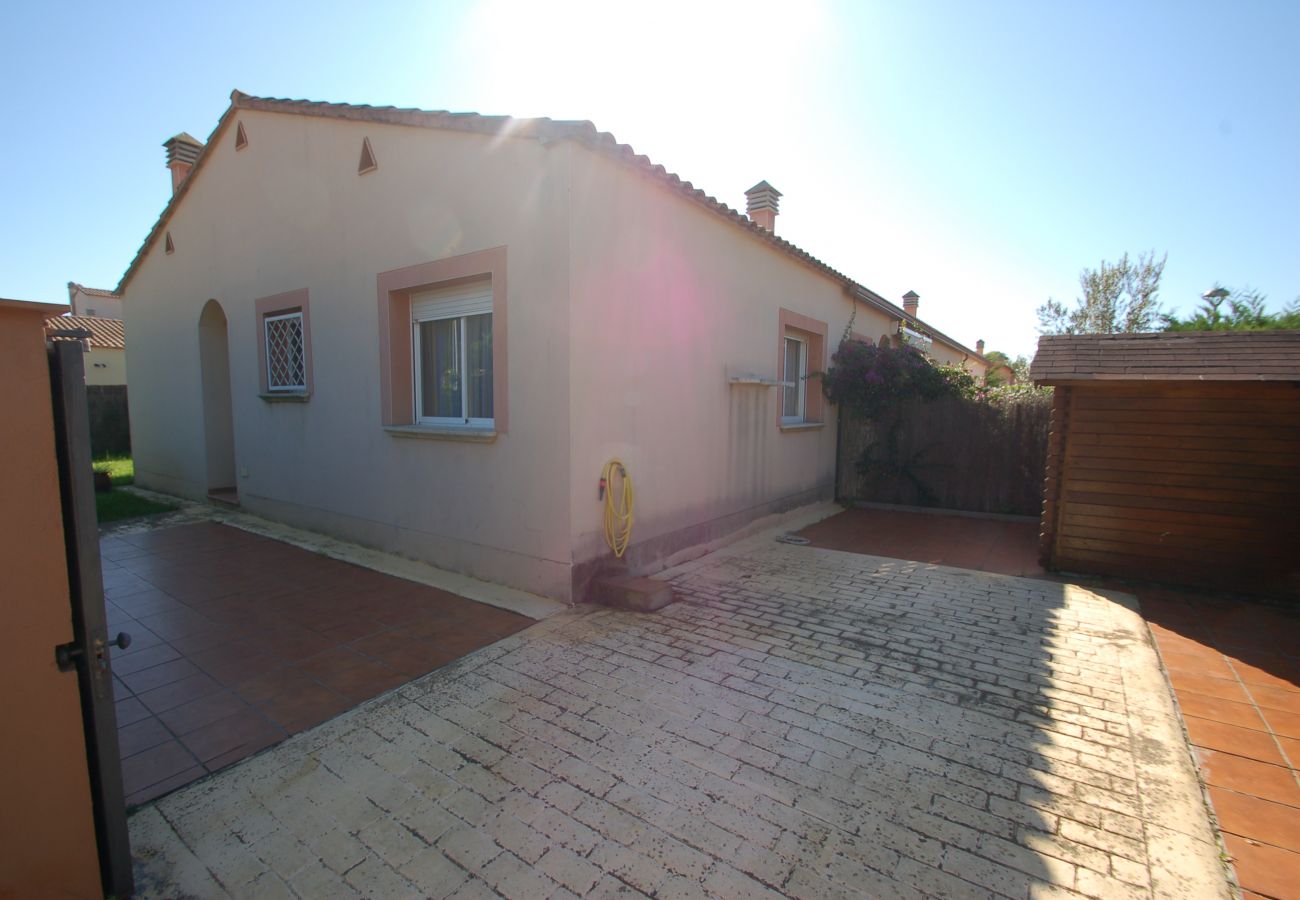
{"x": 870, "y": 381}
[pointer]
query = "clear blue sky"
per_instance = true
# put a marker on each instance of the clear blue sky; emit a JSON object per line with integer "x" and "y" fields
{"x": 979, "y": 154}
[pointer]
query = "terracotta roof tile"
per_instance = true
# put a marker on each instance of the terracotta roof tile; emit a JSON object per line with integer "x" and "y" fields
{"x": 582, "y": 132}
{"x": 93, "y": 292}
{"x": 106, "y": 334}
{"x": 1168, "y": 356}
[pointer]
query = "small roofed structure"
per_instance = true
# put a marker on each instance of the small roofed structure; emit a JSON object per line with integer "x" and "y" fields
{"x": 1173, "y": 457}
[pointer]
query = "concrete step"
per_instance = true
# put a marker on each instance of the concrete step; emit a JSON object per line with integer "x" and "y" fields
{"x": 637, "y": 594}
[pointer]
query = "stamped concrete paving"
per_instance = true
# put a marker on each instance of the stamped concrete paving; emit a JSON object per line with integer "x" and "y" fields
{"x": 804, "y": 722}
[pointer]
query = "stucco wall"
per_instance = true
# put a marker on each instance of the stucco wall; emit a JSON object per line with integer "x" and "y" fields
{"x": 289, "y": 212}
{"x": 46, "y": 818}
{"x": 104, "y": 307}
{"x": 668, "y": 301}
{"x": 105, "y": 366}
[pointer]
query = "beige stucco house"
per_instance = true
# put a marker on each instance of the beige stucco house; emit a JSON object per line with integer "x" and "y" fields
{"x": 427, "y": 332}
{"x": 91, "y": 302}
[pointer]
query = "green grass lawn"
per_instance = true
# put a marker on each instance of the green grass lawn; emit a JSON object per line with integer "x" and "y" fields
{"x": 115, "y": 505}
{"x": 119, "y": 468}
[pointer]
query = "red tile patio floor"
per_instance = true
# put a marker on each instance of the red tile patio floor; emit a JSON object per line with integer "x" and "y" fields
{"x": 1232, "y": 662}
{"x": 238, "y": 641}
{"x": 1004, "y": 545}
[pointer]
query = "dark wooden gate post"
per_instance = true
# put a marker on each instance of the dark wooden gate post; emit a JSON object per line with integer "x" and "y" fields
{"x": 87, "y": 652}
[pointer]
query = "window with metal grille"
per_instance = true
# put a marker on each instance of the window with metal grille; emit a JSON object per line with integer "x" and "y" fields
{"x": 286, "y": 352}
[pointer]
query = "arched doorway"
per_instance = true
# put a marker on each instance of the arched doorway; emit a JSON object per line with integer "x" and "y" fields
{"x": 218, "y": 420}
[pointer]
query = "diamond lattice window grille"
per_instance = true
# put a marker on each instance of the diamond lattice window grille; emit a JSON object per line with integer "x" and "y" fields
{"x": 286, "y": 353}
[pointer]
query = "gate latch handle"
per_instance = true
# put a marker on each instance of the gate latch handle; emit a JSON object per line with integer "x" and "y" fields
{"x": 66, "y": 655}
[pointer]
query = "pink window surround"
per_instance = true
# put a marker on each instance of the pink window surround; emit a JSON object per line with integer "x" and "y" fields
{"x": 396, "y": 383}
{"x": 277, "y": 304}
{"x": 815, "y": 333}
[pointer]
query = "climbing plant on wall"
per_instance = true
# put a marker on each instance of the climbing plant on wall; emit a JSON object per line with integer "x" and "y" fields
{"x": 870, "y": 381}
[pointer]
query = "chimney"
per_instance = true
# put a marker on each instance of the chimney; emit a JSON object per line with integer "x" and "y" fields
{"x": 182, "y": 152}
{"x": 911, "y": 300}
{"x": 762, "y": 205}
{"x": 979, "y": 346}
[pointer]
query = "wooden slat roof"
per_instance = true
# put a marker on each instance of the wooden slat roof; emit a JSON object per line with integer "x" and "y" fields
{"x": 1168, "y": 356}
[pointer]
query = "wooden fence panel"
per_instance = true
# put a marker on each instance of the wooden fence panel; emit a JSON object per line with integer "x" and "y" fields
{"x": 110, "y": 426}
{"x": 950, "y": 454}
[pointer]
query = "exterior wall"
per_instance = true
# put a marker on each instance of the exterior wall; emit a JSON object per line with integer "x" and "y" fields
{"x": 104, "y": 307}
{"x": 289, "y": 212}
{"x": 668, "y": 302}
{"x": 1174, "y": 482}
{"x": 104, "y": 366}
{"x": 45, "y": 821}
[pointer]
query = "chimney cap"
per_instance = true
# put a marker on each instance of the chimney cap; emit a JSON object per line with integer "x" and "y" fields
{"x": 762, "y": 196}
{"x": 183, "y": 148}
{"x": 911, "y": 295}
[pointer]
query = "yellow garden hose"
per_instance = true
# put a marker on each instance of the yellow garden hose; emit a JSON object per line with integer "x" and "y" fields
{"x": 618, "y": 510}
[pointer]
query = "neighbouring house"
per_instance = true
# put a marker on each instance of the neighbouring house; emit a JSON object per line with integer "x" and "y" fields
{"x": 1173, "y": 457}
{"x": 427, "y": 332}
{"x": 105, "y": 343}
{"x": 94, "y": 302}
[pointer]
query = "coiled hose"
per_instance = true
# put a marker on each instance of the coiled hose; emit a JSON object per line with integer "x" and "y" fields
{"x": 618, "y": 509}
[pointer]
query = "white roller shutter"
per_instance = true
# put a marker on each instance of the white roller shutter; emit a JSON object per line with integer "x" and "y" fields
{"x": 470, "y": 299}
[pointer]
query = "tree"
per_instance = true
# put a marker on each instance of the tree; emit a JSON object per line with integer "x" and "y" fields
{"x": 1117, "y": 298}
{"x": 1019, "y": 367}
{"x": 1244, "y": 312}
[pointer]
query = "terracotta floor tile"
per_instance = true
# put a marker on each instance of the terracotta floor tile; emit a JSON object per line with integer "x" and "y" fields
{"x": 140, "y": 736}
{"x": 381, "y": 642}
{"x": 1242, "y": 714}
{"x": 1208, "y": 686}
{"x": 1286, "y": 724}
{"x": 130, "y": 710}
{"x": 1246, "y": 776}
{"x": 1247, "y": 742}
{"x": 417, "y": 658}
{"x": 1260, "y": 820}
{"x": 235, "y": 662}
{"x": 169, "y": 625}
{"x": 148, "y": 603}
{"x": 146, "y": 658}
{"x": 1209, "y": 663}
{"x": 1267, "y": 870}
{"x": 200, "y": 712}
{"x": 335, "y": 659}
{"x": 304, "y": 707}
{"x": 263, "y": 687}
{"x": 245, "y": 750}
{"x": 151, "y": 766}
{"x": 172, "y": 695}
{"x": 360, "y": 682}
{"x": 212, "y": 636}
{"x": 297, "y": 646}
{"x": 351, "y": 629}
{"x": 1291, "y": 749}
{"x": 1275, "y": 698}
{"x": 1277, "y": 672}
{"x": 159, "y": 675}
{"x": 244, "y": 732}
{"x": 166, "y": 786}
